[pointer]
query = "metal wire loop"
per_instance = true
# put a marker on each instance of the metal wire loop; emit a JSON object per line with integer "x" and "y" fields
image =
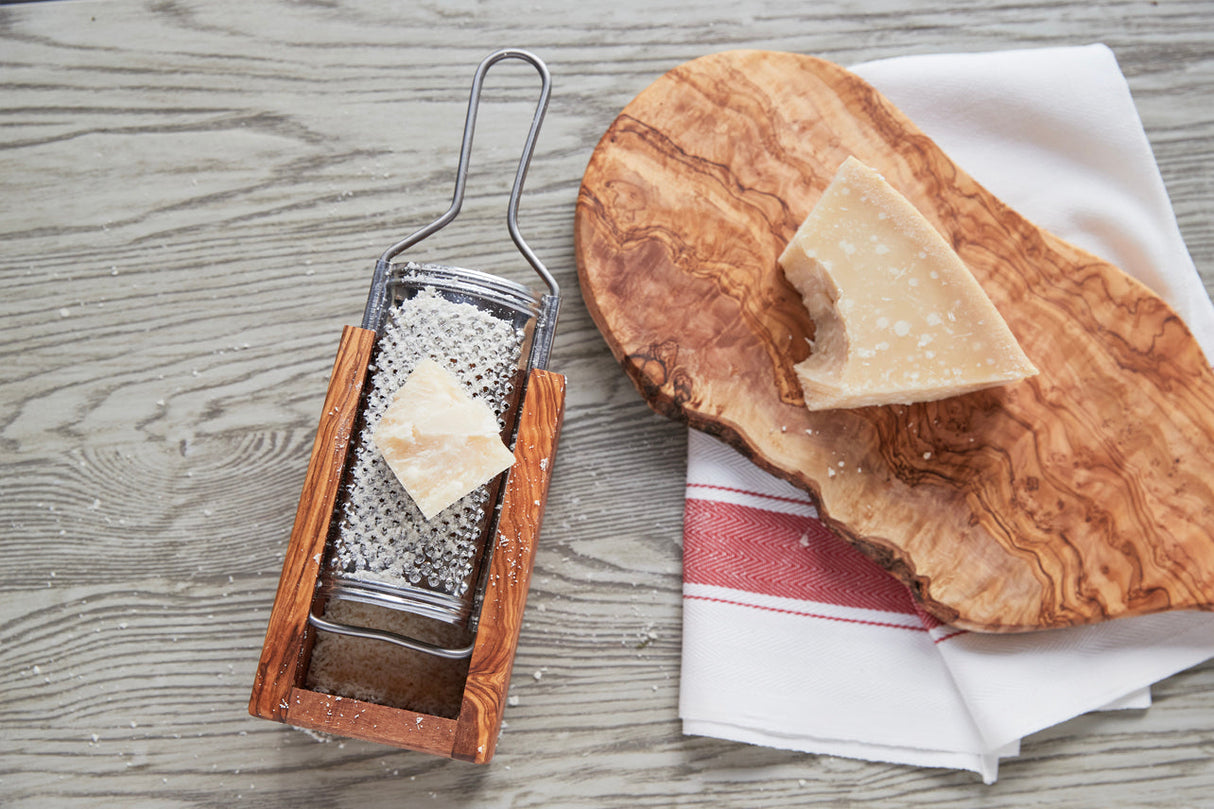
{"x": 465, "y": 155}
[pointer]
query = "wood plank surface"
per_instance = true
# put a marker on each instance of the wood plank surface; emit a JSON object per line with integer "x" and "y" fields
{"x": 193, "y": 198}
{"x": 1077, "y": 496}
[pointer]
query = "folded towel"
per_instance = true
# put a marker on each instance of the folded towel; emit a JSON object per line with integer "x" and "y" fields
{"x": 791, "y": 638}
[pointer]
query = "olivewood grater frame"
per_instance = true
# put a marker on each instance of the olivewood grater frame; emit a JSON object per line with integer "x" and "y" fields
{"x": 499, "y": 576}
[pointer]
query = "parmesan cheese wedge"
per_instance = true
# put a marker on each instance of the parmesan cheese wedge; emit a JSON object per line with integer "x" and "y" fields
{"x": 898, "y": 317}
{"x": 440, "y": 442}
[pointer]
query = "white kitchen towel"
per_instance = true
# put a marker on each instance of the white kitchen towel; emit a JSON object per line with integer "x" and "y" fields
{"x": 791, "y": 638}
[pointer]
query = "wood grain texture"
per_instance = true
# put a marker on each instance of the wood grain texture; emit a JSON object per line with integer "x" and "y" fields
{"x": 277, "y": 693}
{"x": 286, "y": 647}
{"x": 357, "y": 719}
{"x": 1077, "y": 496}
{"x": 518, "y": 531}
{"x": 203, "y": 189}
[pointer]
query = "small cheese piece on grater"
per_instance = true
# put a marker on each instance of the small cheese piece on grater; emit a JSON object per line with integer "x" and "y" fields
{"x": 898, "y": 317}
{"x": 440, "y": 442}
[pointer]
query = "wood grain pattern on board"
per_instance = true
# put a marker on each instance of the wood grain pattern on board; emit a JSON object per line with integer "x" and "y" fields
{"x": 1077, "y": 496}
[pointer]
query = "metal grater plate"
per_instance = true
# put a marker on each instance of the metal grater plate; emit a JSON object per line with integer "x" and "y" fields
{"x": 382, "y": 537}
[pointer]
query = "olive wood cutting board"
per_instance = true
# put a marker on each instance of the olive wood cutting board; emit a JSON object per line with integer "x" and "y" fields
{"x": 1079, "y": 495}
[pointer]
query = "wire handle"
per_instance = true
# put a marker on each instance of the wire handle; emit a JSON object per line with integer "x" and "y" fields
{"x": 465, "y": 156}
{"x": 422, "y": 603}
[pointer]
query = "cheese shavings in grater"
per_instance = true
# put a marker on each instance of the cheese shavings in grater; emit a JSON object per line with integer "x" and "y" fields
{"x": 382, "y": 536}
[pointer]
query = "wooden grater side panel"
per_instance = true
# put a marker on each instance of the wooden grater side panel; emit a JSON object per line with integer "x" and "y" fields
{"x": 279, "y": 670}
{"x": 501, "y": 617}
{"x": 371, "y": 722}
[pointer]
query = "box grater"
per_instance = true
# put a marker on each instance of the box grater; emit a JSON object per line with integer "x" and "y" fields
{"x": 363, "y": 566}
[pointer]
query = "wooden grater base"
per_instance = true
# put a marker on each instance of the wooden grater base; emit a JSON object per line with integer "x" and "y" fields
{"x": 278, "y": 690}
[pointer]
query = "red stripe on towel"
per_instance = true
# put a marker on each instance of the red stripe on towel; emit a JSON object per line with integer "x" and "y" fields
{"x": 805, "y": 614}
{"x": 782, "y": 555}
{"x": 776, "y": 497}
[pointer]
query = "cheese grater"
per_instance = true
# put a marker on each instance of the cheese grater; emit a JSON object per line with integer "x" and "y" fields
{"x": 358, "y": 537}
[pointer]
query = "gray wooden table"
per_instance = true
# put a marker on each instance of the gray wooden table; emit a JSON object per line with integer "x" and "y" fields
{"x": 192, "y": 196}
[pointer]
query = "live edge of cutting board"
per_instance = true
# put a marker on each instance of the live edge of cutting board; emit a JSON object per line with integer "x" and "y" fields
{"x": 1080, "y": 495}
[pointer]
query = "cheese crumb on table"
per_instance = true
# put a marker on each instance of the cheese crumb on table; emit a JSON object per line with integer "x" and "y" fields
{"x": 439, "y": 441}
{"x": 898, "y": 317}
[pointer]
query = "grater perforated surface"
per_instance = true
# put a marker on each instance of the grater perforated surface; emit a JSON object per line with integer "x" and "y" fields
{"x": 382, "y": 536}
